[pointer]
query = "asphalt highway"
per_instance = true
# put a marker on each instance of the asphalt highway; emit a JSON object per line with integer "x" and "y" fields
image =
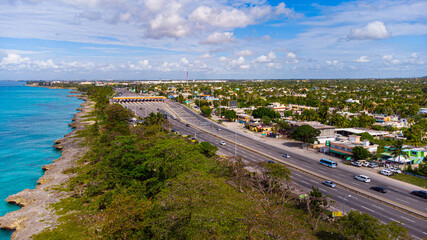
{"x": 343, "y": 199}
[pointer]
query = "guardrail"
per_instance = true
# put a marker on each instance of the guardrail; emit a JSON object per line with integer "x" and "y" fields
{"x": 321, "y": 177}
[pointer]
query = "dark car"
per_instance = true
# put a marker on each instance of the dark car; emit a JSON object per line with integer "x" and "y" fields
{"x": 421, "y": 194}
{"x": 379, "y": 189}
{"x": 187, "y": 125}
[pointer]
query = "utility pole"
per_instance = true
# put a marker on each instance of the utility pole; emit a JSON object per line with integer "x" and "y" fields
{"x": 235, "y": 144}
{"x": 343, "y": 203}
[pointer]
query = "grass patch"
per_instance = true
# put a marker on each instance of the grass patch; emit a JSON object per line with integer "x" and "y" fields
{"x": 410, "y": 179}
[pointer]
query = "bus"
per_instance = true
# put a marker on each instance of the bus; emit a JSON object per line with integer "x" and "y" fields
{"x": 328, "y": 163}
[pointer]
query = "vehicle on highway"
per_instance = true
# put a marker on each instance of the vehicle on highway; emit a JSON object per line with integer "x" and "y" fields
{"x": 218, "y": 129}
{"x": 356, "y": 163}
{"x": 327, "y": 162}
{"x": 372, "y": 165}
{"x": 173, "y": 117}
{"x": 379, "y": 189}
{"x": 222, "y": 143}
{"x": 362, "y": 178}
{"x": 329, "y": 183}
{"x": 386, "y": 172}
{"x": 395, "y": 170}
{"x": 421, "y": 194}
{"x": 187, "y": 125}
{"x": 286, "y": 155}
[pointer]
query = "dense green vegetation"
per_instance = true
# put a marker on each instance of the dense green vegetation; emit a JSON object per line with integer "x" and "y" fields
{"x": 145, "y": 183}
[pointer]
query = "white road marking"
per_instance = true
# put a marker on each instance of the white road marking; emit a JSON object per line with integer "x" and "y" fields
{"x": 408, "y": 219}
{"x": 373, "y": 205}
{"x": 366, "y": 208}
{"x": 322, "y": 189}
{"x": 392, "y": 219}
{"x": 296, "y": 174}
{"x": 311, "y": 180}
{"x": 417, "y": 237}
{"x": 412, "y": 199}
{"x": 304, "y": 182}
{"x": 402, "y": 200}
{"x": 425, "y": 233}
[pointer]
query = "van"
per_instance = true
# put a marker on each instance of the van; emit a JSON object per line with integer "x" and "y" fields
{"x": 362, "y": 178}
{"x": 386, "y": 172}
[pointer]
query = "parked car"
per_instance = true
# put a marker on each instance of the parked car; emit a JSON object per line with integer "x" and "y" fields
{"x": 329, "y": 183}
{"x": 386, "y": 172}
{"x": 421, "y": 194}
{"x": 395, "y": 170}
{"x": 379, "y": 189}
{"x": 372, "y": 165}
{"x": 362, "y": 178}
{"x": 365, "y": 164}
{"x": 286, "y": 155}
{"x": 356, "y": 163}
{"x": 173, "y": 130}
{"x": 187, "y": 125}
{"x": 222, "y": 143}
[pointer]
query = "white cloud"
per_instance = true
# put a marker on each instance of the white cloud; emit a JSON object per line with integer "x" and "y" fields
{"x": 374, "y": 30}
{"x": 291, "y": 58}
{"x": 389, "y": 59}
{"x": 221, "y": 18}
{"x": 274, "y": 65}
{"x": 13, "y": 59}
{"x": 332, "y": 62}
{"x": 168, "y": 26}
{"x": 218, "y": 38}
{"x": 363, "y": 59}
{"x": 282, "y": 9}
{"x": 245, "y": 53}
{"x": 184, "y": 61}
{"x": 265, "y": 59}
{"x": 245, "y": 66}
{"x": 206, "y": 55}
{"x": 223, "y": 59}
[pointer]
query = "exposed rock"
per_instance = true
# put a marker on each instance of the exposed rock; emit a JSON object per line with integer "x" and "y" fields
{"x": 57, "y": 141}
{"x": 36, "y": 213}
{"x": 78, "y": 109}
{"x": 58, "y": 146}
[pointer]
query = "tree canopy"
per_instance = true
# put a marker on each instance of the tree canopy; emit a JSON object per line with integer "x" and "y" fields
{"x": 305, "y": 134}
{"x": 263, "y": 111}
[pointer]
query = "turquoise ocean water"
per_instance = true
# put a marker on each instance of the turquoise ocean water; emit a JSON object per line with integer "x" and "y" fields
{"x": 31, "y": 118}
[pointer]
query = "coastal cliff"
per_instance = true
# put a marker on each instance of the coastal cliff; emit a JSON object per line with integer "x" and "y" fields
{"x": 36, "y": 213}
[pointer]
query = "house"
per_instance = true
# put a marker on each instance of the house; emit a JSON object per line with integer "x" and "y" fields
{"x": 415, "y": 155}
{"x": 327, "y": 133}
{"x": 344, "y": 148}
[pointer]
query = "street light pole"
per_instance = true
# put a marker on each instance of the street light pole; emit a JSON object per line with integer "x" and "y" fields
{"x": 235, "y": 144}
{"x": 343, "y": 205}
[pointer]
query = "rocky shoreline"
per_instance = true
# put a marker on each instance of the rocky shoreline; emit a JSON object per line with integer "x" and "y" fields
{"x": 36, "y": 213}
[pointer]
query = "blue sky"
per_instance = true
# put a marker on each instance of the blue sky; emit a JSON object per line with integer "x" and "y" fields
{"x": 213, "y": 39}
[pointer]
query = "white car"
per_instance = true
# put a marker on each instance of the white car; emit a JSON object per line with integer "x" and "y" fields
{"x": 222, "y": 143}
{"x": 395, "y": 170}
{"x": 329, "y": 183}
{"x": 362, "y": 178}
{"x": 286, "y": 155}
{"x": 386, "y": 172}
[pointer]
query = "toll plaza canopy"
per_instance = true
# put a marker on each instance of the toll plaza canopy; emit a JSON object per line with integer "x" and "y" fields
{"x": 138, "y": 99}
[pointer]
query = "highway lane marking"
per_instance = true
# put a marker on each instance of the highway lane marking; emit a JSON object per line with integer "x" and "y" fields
{"x": 425, "y": 233}
{"x": 366, "y": 208}
{"x": 392, "y": 219}
{"x": 342, "y": 175}
{"x": 408, "y": 219}
{"x": 412, "y": 199}
{"x": 296, "y": 174}
{"x": 311, "y": 180}
{"x": 322, "y": 189}
{"x": 402, "y": 200}
{"x": 417, "y": 237}
{"x": 373, "y": 205}
{"x": 304, "y": 182}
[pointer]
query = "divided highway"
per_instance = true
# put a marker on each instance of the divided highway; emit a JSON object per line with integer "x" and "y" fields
{"x": 396, "y": 192}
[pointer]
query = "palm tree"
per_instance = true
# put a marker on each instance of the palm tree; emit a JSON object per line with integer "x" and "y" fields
{"x": 398, "y": 150}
